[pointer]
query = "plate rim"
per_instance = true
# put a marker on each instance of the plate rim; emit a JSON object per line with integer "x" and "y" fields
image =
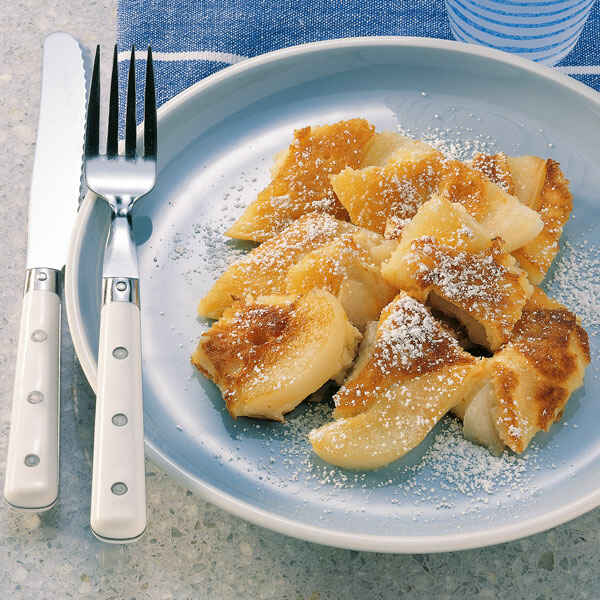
{"x": 245, "y": 510}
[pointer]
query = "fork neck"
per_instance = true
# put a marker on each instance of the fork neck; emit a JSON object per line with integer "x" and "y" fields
{"x": 120, "y": 256}
{"x": 121, "y": 205}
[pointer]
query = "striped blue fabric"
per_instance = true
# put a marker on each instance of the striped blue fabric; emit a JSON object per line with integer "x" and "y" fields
{"x": 195, "y": 38}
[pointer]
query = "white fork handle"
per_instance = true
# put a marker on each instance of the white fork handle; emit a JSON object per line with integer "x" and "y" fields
{"x": 118, "y": 509}
{"x": 31, "y": 480}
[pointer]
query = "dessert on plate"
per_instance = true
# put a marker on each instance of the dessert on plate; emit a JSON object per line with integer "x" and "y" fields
{"x": 409, "y": 279}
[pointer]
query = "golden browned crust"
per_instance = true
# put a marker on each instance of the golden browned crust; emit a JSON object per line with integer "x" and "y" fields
{"x": 505, "y": 382}
{"x": 496, "y": 168}
{"x": 537, "y": 370}
{"x": 330, "y": 266}
{"x": 373, "y": 194}
{"x": 554, "y": 206}
{"x": 398, "y": 189}
{"x": 270, "y": 353}
{"x": 479, "y": 283}
{"x": 300, "y": 183}
{"x": 410, "y": 343}
{"x": 389, "y": 196}
{"x": 544, "y": 338}
{"x": 314, "y": 251}
{"x": 551, "y": 311}
{"x": 551, "y": 401}
{"x": 264, "y": 270}
{"x": 463, "y": 184}
{"x": 248, "y": 337}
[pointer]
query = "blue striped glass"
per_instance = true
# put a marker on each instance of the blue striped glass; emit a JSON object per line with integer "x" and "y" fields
{"x": 541, "y": 30}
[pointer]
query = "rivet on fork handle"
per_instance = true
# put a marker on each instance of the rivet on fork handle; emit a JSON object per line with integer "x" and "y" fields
{"x": 119, "y": 289}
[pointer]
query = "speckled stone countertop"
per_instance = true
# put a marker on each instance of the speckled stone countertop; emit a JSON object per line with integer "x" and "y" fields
{"x": 193, "y": 549}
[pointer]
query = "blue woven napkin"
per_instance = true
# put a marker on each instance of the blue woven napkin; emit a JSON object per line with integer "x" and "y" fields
{"x": 195, "y": 38}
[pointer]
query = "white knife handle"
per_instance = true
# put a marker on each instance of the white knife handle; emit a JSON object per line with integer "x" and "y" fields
{"x": 31, "y": 480}
{"x": 118, "y": 510}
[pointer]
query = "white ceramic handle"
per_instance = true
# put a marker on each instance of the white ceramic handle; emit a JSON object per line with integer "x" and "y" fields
{"x": 118, "y": 511}
{"x": 31, "y": 480}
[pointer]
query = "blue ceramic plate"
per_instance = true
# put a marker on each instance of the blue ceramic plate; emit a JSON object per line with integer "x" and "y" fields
{"x": 217, "y": 140}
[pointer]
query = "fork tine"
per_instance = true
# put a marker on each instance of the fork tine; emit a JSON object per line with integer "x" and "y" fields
{"x": 92, "y": 126}
{"x": 130, "y": 115}
{"x": 149, "y": 110}
{"x": 112, "y": 138}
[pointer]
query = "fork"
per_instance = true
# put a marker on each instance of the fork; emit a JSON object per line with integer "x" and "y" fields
{"x": 118, "y": 506}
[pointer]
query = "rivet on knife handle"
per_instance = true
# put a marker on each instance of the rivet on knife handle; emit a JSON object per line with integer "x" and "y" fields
{"x": 31, "y": 481}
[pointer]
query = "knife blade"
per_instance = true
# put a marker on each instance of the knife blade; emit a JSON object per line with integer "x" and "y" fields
{"x": 31, "y": 480}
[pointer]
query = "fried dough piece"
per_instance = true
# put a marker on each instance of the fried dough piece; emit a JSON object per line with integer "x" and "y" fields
{"x": 314, "y": 251}
{"x": 410, "y": 377}
{"x": 529, "y": 381}
{"x": 395, "y": 189}
{"x": 347, "y": 270}
{"x": 269, "y": 354}
{"x": 446, "y": 258}
{"x": 300, "y": 179}
{"x": 264, "y": 269}
{"x": 540, "y": 185}
{"x": 391, "y": 192}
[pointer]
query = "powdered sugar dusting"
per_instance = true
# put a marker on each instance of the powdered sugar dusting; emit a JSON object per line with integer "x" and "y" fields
{"x": 455, "y": 464}
{"x": 206, "y": 249}
{"x": 458, "y": 142}
{"x": 477, "y": 282}
{"x": 407, "y": 334}
{"x": 574, "y": 280}
{"x": 459, "y": 276}
{"x": 451, "y": 474}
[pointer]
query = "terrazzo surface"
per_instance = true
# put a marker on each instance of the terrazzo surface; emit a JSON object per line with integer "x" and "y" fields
{"x": 193, "y": 549}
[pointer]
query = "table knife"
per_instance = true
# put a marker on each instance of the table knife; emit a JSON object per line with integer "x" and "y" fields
{"x": 31, "y": 478}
